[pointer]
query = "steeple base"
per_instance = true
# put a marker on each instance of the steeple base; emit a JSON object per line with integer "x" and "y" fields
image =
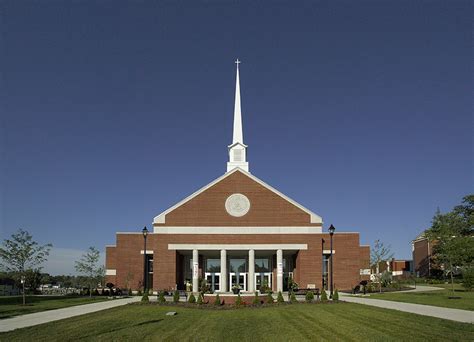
{"x": 232, "y": 165}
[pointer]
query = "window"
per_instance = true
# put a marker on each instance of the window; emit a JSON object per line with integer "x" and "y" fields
{"x": 213, "y": 265}
{"x": 150, "y": 263}
{"x": 238, "y": 265}
{"x": 262, "y": 265}
{"x": 326, "y": 261}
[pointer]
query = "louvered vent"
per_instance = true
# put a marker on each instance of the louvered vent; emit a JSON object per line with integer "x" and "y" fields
{"x": 237, "y": 155}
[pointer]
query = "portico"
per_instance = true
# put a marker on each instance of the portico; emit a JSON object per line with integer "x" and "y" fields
{"x": 250, "y": 265}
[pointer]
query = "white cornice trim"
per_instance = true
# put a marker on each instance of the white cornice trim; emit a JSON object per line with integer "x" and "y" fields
{"x": 314, "y": 218}
{"x": 237, "y": 230}
{"x": 187, "y": 246}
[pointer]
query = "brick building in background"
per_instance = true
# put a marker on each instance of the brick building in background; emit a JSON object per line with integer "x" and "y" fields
{"x": 237, "y": 230}
{"x": 422, "y": 250}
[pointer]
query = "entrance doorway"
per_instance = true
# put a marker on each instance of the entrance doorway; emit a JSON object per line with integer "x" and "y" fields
{"x": 263, "y": 278}
{"x": 213, "y": 280}
{"x": 242, "y": 281}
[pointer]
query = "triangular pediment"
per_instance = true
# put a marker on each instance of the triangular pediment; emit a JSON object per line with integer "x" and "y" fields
{"x": 206, "y": 207}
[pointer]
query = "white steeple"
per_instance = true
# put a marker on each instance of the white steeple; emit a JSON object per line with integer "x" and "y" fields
{"x": 237, "y": 151}
{"x": 238, "y": 136}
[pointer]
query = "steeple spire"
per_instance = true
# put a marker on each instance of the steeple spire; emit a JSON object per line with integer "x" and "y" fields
{"x": 237, "y": 151}
{"x": 238, "y": 136}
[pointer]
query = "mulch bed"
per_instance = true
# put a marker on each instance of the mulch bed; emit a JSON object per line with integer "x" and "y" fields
{"x": 211, "y": 306}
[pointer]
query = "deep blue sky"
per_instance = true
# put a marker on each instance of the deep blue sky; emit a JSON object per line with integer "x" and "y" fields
{"x": 113, "y": 111}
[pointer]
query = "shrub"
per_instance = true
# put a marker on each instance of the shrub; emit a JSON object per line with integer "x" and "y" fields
{"x": 145, "y": 298}
{"x": 468, "y": 278}
{"x": 176, "y": 296}
{"x": 139, "y": 293}
{"x": 335, "y": 296}
{"x": 309, "y": 296}
{"x": 191, "y": 299}
{"x": 217, "y": 301}
{"x": 280, "y": 297}
{"x": 199, "y": 299}
{"x": 269, "y": 298}
{"x": 324, "y": 296}
{"x": 293, "y": 298}
{"x": 256, "y": 300}
{"x": 130, "y": 293}
{"x": 161, "y": 297}
{"x": 238, "y": 300}
{"x": 386, "y": 278}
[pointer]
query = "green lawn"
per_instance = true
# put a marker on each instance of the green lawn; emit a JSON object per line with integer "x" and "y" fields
{"x": 436, "y": 298}
{"x": 297, "y": 322}
{"x": 12, "y": 306}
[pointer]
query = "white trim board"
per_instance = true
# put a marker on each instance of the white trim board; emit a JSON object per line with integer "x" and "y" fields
{"x": 314, "y": 218}
{"x": 328, "y": 251}
{"x": 147, "y": 251}
{"x": 234, "y": 247}
{"x": 111, "y": 272}
{"x": 237, "y": 230}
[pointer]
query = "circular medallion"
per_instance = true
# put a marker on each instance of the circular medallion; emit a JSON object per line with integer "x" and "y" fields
{"x": 237, "y": 205}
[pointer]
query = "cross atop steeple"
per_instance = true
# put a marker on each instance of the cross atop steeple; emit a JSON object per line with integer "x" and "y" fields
{"x": 237, "y": 62}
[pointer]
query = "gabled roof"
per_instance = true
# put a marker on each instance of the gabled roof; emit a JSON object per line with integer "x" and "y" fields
{"x": 314, "y": 218}
{"x": 236, "y": 143}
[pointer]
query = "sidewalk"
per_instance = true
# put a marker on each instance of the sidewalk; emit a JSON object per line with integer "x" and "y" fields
{"x": 458, "y": 315}
{"x": 55, "y": 315}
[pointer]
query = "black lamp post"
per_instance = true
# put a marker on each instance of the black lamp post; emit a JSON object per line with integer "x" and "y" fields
{"x": 331, "y": 233}
{"x": 145, "y": 288}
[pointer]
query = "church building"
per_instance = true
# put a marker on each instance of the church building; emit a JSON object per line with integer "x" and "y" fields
{"x": 237, "y": 230}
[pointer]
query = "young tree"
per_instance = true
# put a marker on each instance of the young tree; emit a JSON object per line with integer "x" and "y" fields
{"x": 20, "y": 255}
{"x": 452, "y": 235}
{"x": 89, "y": 266}
{"x": 378, "y": 254}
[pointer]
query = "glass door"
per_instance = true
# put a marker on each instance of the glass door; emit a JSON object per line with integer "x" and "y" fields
{"x": 213, "y": 280}
{"x": 242, "y": 281}
{"x": 263, "y": 278}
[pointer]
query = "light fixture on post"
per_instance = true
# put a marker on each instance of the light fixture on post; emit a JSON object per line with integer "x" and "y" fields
{"x": 331, "y": 233}
{"x": 23, "y": 280}
{"x": 145, "y": 288}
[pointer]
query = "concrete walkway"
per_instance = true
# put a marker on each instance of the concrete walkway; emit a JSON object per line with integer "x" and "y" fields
{"x": 458, "y": 315}
{"x": 422, "y": 288}
{"x": 55, "y": 315}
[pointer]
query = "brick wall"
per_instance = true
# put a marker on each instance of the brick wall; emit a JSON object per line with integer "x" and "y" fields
{"x": 364, "y": 259}
{"x": 308, "y": 262}
{"x": 421, "y": 257}
{"x": 266, "y": 207}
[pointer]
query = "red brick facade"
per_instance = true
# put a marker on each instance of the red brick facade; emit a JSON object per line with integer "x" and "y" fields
{"x": 207, "y": 209}
{"x": 422, "y": 250}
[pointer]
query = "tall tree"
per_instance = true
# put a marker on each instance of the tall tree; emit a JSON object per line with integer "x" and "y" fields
{"x": 452, "y": 235}
{"x": 378, "y": 254}
{"x": 89, "y": 266}
{"x": 21, "y": 254}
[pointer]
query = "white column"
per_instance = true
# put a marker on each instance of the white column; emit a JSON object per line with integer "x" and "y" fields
{"x": 279, "y": 270}
{"x": 251, "y": 279}
{"x": 195, "y": 270}
{"x": 223, "y": 280}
